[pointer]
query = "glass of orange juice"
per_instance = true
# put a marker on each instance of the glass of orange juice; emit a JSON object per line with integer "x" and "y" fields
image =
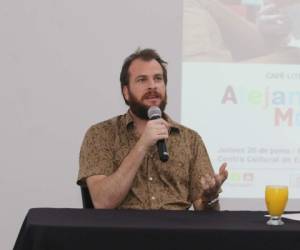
{"x": 276, "y": 198}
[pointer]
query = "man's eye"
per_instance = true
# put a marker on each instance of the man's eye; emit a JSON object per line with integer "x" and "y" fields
{"x": 141, "y": 79}
{"x": 158, "y": 78}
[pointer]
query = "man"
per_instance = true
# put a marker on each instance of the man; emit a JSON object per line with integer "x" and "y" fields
{"x": 119, "y": 161}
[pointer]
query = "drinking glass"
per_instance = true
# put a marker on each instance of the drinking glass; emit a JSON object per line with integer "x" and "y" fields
{"x": 276, "y": 198}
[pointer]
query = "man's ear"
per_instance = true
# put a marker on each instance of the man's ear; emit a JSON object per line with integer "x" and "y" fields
{"x": 125, "y": 92}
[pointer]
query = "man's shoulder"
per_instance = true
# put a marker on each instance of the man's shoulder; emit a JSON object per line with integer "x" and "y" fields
{"x": 108, "y": 122}
{"x": 107, "y": 127}
{"x": 186, "y": 130}
{"x": 190, "y": 136}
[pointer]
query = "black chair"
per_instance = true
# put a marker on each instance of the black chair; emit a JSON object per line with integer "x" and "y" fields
{"x": 86, "y": 198}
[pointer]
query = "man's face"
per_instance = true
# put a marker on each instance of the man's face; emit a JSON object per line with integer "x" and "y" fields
{"x": 146, "y": 87}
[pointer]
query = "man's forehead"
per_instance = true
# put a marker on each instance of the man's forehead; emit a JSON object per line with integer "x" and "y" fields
{"x": 142, "y": 67}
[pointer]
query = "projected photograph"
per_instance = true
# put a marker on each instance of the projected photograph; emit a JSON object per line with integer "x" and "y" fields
{"x": 253, "y": 31}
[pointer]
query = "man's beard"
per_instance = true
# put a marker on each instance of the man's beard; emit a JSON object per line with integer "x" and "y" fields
{"x": 140, "y": 109}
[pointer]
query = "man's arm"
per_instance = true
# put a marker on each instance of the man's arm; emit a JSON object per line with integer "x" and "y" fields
{"x": 110, "y": 191}
{"x": 205, "y": 185}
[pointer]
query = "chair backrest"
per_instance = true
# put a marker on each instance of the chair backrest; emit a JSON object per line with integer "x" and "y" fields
{"x": 86, "y": 198}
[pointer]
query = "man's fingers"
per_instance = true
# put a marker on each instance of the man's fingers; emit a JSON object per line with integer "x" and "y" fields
{"x": 223, "y": 167}
{"x": 223, "y": 174}
{"x": 218, "y": 180}
{"x": 222, "y": 171}
{"x": 161, "y": 122}
{"x": 210, "y": 181}
{"x": 159, "y": 127}
{"x": 204, "y": 184}
{"x": 209, "y": 185}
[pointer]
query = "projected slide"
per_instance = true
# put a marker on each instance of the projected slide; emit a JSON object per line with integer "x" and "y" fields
{"x": 241, "y": 89}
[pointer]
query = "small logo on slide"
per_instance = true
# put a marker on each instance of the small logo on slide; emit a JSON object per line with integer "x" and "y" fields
{"x": 248, "y": 177}
{"x": 241, "y": 178}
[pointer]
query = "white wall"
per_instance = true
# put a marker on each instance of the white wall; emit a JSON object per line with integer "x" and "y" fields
{"x": 59, "y": 68}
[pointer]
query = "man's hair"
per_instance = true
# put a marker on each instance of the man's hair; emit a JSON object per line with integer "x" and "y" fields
{"x": 145, "y": 55}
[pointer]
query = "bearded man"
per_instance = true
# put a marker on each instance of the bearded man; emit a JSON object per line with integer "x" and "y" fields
{"x": 119, "y": 162}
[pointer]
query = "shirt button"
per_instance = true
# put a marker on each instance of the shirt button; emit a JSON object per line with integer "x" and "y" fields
{"x": 150, "y": 178}
{"x": 153, "y": 198}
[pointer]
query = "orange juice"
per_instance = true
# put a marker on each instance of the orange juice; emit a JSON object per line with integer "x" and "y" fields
{"x": 276, "y": 198}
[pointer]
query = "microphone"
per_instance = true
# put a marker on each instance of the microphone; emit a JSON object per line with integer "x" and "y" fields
{"x": 153, "y": 114}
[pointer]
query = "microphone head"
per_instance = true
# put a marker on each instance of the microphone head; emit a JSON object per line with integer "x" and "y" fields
{"x": 154, "y": 112}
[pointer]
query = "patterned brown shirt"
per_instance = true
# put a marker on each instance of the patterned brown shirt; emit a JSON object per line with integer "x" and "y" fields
{"x": 174, "y": 184}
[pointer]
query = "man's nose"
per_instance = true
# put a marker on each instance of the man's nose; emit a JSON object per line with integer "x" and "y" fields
{"x": 152, "y": 84}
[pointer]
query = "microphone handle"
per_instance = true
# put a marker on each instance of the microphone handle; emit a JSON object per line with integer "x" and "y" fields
{"x": 161, "y": 145}
{"x": 162, "y": 150}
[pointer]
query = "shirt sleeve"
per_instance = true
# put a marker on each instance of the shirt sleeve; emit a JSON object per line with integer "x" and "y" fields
{"x": 95, "y": 155}
{"x": 200, "y": 166}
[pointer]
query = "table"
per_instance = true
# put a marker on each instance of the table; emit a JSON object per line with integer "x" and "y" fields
{"x": 91, "y": 229}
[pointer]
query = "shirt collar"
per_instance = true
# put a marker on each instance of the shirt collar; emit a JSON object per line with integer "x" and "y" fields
{"x": 174, "y": 126}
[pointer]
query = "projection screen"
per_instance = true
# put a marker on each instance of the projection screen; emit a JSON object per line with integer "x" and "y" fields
{"x": 241, "y": 92}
